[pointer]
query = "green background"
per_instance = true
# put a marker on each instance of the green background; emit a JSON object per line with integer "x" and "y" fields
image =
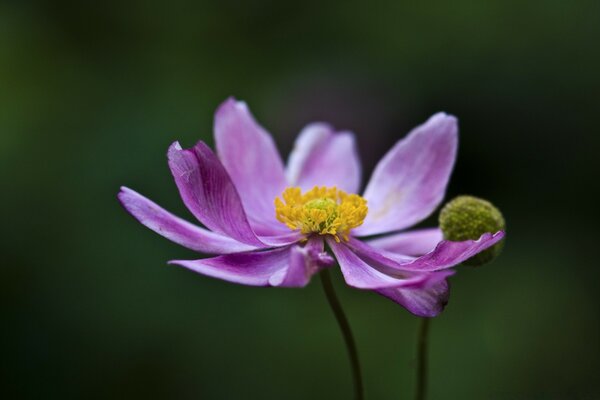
{"x": 93, "y": 93}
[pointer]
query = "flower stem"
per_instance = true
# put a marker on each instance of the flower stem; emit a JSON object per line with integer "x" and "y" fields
{"x": 422, "y": 335}
{"x": 342, "y": 321}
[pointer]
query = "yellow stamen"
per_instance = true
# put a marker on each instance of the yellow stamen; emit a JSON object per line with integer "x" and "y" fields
{"x": 322, "y": 210}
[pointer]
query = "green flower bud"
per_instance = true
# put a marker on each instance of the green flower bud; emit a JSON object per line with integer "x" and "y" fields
{"x": 468, "y": 217}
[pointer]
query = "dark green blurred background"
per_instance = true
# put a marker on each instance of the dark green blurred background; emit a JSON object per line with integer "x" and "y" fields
{"x": 92, "y": 94}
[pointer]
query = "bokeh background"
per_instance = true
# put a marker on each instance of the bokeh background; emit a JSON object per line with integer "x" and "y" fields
{"x": 92, "y": 94}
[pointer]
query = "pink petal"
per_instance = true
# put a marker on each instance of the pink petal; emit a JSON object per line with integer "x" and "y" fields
{"x": 249, "y": 155}
{"x": 446, "y": 254}
{"x": 290, "y": 266}
{"x": 304, "y": 262}
{"x": 411, "y": 243}
{"x": 357, "y": 273}
{"x": 176, "y": 229}
{"x": 427, "y": 302}
{"x": 409, "y": 182}
{"x": 323, "y": 158}
{"x": 210, "y": 195}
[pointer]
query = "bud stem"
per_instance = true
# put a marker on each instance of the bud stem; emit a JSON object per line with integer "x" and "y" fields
{"x": 342, "y": 321}
{"x": 422, "y": 336}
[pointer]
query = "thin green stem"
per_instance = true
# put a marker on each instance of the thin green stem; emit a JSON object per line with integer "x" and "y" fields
{"x": 342, "y": 321}
{"x": 421, "y": 390}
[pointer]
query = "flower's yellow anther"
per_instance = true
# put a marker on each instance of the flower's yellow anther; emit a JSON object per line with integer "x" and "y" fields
{"x": 322, "y": 210}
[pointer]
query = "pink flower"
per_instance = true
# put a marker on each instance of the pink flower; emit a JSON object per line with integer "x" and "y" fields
{"x": 269, "y": 223}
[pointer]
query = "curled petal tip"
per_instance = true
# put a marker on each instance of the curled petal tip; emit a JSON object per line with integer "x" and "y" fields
{"x": 174, "y": 147}
{"x": 499, "y": 234}
{"x": 230, "y": 104}
{"x": 444, "y": 115}
{"x": 123, "y": 193}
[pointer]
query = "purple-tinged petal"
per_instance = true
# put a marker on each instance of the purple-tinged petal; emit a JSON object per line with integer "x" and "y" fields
{"x": 176, "y": 229}
{"x": 427, "y": 302}
{"x": 304, "y": 263}
{"x": 410, "y": 181}
{"x": 323, "y": 158}
{"x": 296, "y": 274}
{"x": 250, "y": 156}
{"x": 357, "y": 273}
{"x": 446, "y": 254}
{"x": 412, "y": 243}
{"x": 315, "y": 249}
{"x": 283, "y": 239}
{"x": 209, "y": 193}
{"x": 252, "y": 268}
{"x": 286, "y": 266}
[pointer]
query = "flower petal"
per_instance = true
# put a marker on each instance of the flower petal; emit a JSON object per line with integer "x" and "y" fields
{"x": 288, "y": 266}
{"x": 411, "y": 243}
{"x": 446, "y": 254}
{"x": 249, "y": 155}
{"x": 323, "y": 158}
{"x": 176, "y": 229}
{"x": 357, "y": 273}
{"x": 410, "y": 181}
{"x": 304, "y": 262}
{"x": 209, "y": 193}
{"x": 427, "y": 302}
{"x": 283, "y": 239}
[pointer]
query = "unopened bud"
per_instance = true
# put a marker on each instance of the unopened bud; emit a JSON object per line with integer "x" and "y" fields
{"x": 467, "y": 218}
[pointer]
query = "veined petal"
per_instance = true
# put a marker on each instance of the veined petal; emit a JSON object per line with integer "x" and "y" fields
{"x": 446, "y": 254}
{"x": 357, "y": 273}
{"x": 176, "y": 229}
{"x": 209, "y": 193}
{"x": 410, "y": 181}
{"x": 427, "y": 302}
{"x": 249, "y": 155}
{"x": 412, "y": 243}
{"x": 289, "y": 266}
{"x": 323, "y": 158}
{"x": 283, "y": 239}
{"x": 304, "y": 262}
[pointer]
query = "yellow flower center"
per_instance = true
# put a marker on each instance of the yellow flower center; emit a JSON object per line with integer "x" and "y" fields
{"x": 322, "y": 210}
